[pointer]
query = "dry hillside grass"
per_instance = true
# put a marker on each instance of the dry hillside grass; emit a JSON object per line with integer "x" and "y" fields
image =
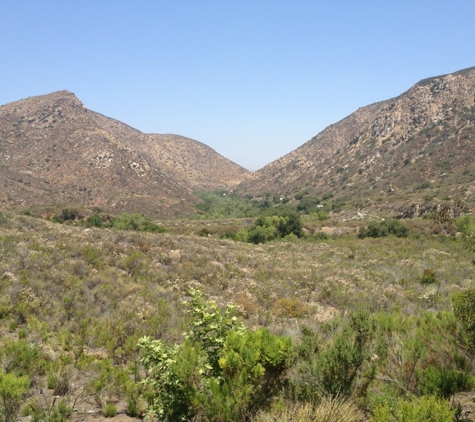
{"x": 90, "y": 294}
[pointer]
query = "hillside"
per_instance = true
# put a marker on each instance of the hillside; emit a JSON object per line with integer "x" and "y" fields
{"x": 419, "y": 144}
{"x": 56, "y": 151}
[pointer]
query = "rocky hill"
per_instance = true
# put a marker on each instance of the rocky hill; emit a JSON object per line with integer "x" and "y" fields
{"x": 419, "y": 144}
{"x": 56, "y": 151}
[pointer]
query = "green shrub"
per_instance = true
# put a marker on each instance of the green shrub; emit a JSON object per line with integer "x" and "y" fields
{"x": 135, "y": 222}
{"x": 110, "y": 410}
{"x": 267, "y": 228}
{"x": 12, "y": 392}
{"x": 465, "y": 225}
{"x": 423, "y": 409}
{"x": 92, "y": 255}
{"x": 444, "y": 382}
{"x": 318, "y": 236}
{"x": 327, "y": 410}
{"x": 21, "y": 358}
{"x": 428, "y": 277}
{"x": 44, "y": 411}
{"x": 464, "y": 310}
{"x": 384, "y": 228}
{"x": 221, "y": 372}
{"x": 329, "y": 367}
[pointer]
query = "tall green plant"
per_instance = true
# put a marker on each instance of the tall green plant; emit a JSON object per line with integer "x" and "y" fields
{"x": 12, "y": 392}
{"x": 221, "y": 372}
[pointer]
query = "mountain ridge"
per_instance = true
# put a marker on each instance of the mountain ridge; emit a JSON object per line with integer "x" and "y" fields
{"x": 390, "y": 146}
{"x": 55, "y": 150}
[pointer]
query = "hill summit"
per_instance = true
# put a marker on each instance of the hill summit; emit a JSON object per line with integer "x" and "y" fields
{"x": 55, "y": 150}
{"x": 419, "y": 144}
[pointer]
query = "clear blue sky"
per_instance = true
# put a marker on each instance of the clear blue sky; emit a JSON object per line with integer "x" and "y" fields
{"x": 253, "y": 79}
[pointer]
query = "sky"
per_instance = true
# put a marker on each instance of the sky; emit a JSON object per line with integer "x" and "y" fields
{"x": 252, "y": 79}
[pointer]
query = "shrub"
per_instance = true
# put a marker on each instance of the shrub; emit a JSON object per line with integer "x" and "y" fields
{"x": 12, "y": 392}
{"x": 221, "y": 372}
{"x": 43, "y": 411}
{"x": 136, "y": 222}
{"x": 110, "y": 410}
{"x": 289, "y": 308}
{"x": 267, "y": 228}
{"x": 384, "y": 228}
{"x": 319, "y": 236}
{"x": 464, "y": 310}
{"x": 428, "y": 277}
{"x": 329, "y": 368}
{"x": 465, "y": 225}
{"x": 423, "y": 409}
{"x": 443, "y": 382}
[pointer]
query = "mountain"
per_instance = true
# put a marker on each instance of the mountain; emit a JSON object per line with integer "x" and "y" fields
{"x": 419, "y": 144}
{"x": 56, "y": 151}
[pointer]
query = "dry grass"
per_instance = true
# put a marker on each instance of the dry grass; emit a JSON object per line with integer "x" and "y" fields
{"x": 106, "y": 288}
{"x": 328, "y": 410}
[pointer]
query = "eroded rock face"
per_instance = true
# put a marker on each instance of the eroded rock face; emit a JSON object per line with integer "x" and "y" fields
{"x": 424, "y": 136}
{"x": 54, "y": 150}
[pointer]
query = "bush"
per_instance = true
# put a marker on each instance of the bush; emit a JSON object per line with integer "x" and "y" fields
{"x": 110, "y": 410}
{"x": 428, "y": 277}
{"x": 423, "y": 409}
{"x": 42, "y": 411}
{"x": 444, "y": 382}
{"x": 220, "y": 372}
{"x": 135, "y": 222}
{"x": 465, "y": 225}
{"x": 464, "y": 310}
{"x": 330, "y": 367}
{"x": 384, "y": 228}
{"x": 267, "y": 228}
{"x": 289, "y": 308}
{"x": 12, "y": 392}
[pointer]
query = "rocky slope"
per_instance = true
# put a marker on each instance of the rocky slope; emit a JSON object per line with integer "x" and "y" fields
{"x": 421, "y": 143}
{"x": 53, "y": 150}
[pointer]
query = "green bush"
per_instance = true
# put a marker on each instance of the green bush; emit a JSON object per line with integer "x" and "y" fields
{"x": 221, "y": 371}
{"x": 12, "y": 392}
{"x": 329, "y": 367}
{"x": 135, "y": 222}
{"x": 423, "y": 409}
{"x": 465, "y": 225}
{"x": 110, "y": 410}
{"x": 464, "y": 310}
{"x": 267, "y": 228}
{"x": 444, "y": 382}
{"x": 428, "y": 277}
{"x": 44, "y": 411}
{"x": 384, "y": 228}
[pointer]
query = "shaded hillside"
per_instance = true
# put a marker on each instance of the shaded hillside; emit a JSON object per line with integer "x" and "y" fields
{"x": 422, "y": 140}
{"x": 55, "y": 150}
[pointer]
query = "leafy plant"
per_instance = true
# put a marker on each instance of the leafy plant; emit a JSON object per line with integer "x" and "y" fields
{"x": 428, "y": 277}
{"x": 221, "y": 371}
{"x": 444, "y": 382}
{"x": 110, "y": 410}
{"x": 384, "y": 228}
{"x": 423, "y": 409}
{"x": 12, "y": 392}
{"x": 464, "y": 310}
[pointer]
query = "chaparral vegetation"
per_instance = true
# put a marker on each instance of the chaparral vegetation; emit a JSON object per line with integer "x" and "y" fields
{"x": 272, "y": 314}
